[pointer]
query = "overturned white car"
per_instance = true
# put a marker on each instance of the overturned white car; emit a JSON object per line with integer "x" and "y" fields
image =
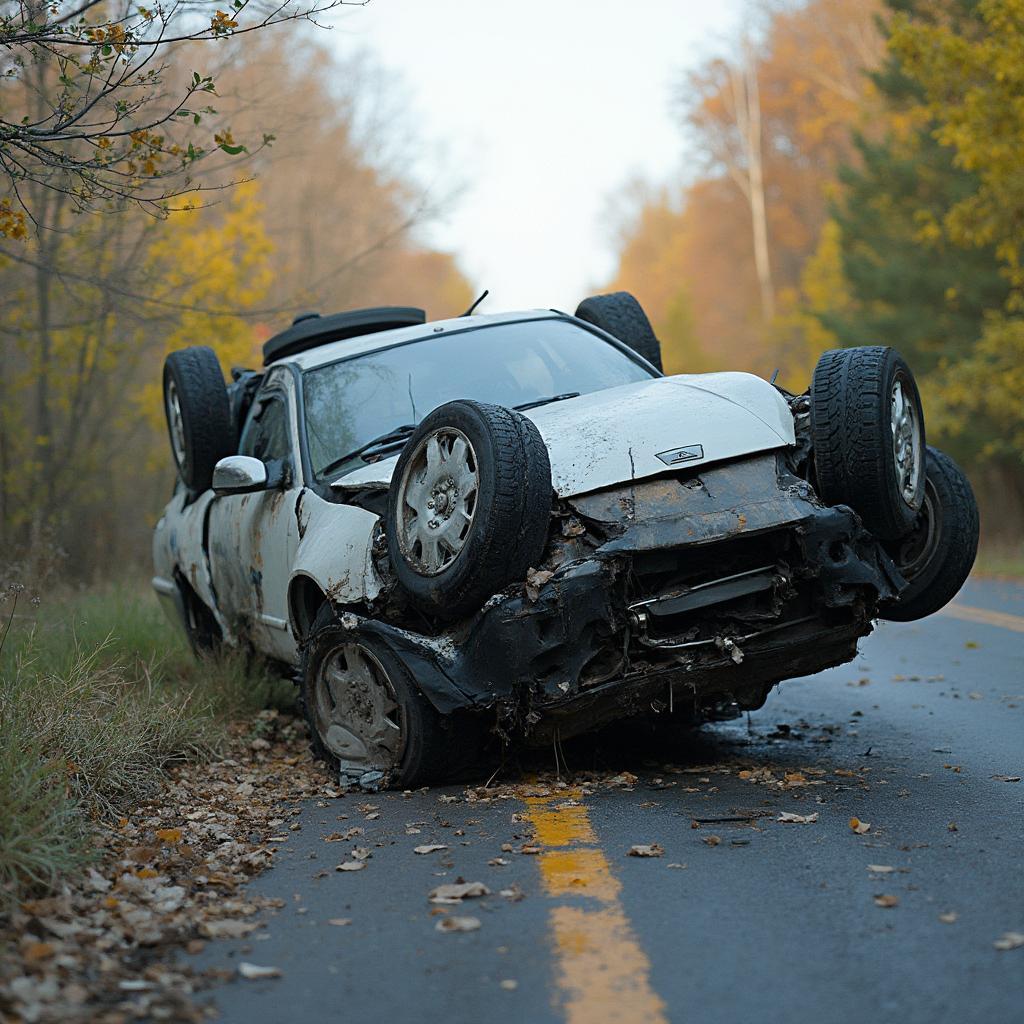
{"x": 516, "y": 525}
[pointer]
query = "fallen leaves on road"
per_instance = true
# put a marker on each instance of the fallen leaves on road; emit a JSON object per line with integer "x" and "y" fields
{"x": 797, "y": 819}
{"x": 429, "y": 848}
{"x": 253, "y": 972}
{"x": 623, "y": 780}
{"x": 107, "y": 947}
{"x": 1009, "y": 940}
{"x": 456, "y": 892}
{"x": 457, "y": 924}
{"x": 341, "y": 837}
{"x": 712, "y": 840}
{"x": 646, "y": 850}
{"x": 860, "y": 827}
{"x": 887, "y": 901}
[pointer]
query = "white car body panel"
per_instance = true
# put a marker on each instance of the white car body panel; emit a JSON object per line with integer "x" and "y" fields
{"x": 335, "y": 549}
{"x": 178, "y": 547}
{"x": 613, "y": 436}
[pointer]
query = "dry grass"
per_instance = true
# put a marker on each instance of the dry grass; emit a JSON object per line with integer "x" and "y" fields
{"x": 98, "y": 695}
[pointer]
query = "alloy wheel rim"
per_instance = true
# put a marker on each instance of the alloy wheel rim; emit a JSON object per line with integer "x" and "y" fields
{"x": 437, "y": 500}
{"x": 906, "y": 445}
{"x": 177, "y": 422}
{"x": 917, "y": 548}
{"x": 356, "y": 709}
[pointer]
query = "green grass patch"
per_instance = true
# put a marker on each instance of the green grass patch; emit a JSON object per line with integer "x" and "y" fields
{"x": 99, "y": 694}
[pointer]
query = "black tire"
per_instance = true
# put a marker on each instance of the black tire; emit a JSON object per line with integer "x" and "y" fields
{"x": 193, "y": 379}
{"x": 435, "y": 748}
{"x": 852, "y": 438}
{"x": 508, "y": 530}
{"x": 623, "y": 317}
{"x": 937, "y": 556}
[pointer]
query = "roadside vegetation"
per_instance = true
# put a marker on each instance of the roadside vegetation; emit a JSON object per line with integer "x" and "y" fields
{"x": 99, "y": 695}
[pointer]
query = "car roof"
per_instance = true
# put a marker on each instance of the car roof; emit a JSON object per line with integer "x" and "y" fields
{"x": 333, "y": 351}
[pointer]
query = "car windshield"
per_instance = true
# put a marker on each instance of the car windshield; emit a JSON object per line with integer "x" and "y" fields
{"x": 351, "y": 402}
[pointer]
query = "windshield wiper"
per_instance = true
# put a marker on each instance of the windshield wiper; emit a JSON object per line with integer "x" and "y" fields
{"x": 394, "y": 438}
{"x": 547, "y": 401}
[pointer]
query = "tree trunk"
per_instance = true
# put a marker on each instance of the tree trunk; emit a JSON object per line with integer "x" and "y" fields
{"x": 749, "y": 172}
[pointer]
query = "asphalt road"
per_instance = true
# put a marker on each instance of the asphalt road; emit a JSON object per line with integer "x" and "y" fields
{"x": 773, "y": 922}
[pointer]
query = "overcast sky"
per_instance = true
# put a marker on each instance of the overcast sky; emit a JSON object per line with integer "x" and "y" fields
{"x": 544, "y": 110}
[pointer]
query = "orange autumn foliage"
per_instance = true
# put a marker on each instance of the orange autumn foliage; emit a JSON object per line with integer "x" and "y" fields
{"x": 693, "y": 247}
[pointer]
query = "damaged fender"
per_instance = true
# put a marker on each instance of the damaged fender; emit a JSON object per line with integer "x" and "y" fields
{"x": 334, "y": 555}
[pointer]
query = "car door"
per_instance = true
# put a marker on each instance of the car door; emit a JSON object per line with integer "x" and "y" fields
{"x": 254, "y": 536}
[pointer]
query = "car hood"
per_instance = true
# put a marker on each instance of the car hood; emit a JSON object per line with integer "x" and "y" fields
{"x": 646, "y": 428}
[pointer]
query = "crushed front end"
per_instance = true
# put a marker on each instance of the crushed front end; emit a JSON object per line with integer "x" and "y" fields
{"x": 697, "y": 591}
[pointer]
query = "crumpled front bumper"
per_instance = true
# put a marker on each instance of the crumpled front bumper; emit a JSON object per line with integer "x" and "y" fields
{"x": 578, "y": 653}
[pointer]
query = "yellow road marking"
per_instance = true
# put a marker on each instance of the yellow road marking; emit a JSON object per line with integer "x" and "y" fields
{"x": 970, "y": 614}
{"x": 604, "y": 975}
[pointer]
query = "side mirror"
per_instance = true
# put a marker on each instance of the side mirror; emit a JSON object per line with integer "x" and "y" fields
{"x": 239, "y": 474}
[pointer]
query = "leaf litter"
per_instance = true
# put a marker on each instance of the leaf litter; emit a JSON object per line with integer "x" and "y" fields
{"x": 169, "y": 875}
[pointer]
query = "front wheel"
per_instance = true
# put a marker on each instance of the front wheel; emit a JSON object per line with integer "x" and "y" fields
{"x": 368, "y": 719}
{"x": 937, "y": 555}
{"x": 469, "y": 506}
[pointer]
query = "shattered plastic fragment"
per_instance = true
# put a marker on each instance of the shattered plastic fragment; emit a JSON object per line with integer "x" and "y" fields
{"x": 646, "y": 850}
{"x": 253, "y": 972}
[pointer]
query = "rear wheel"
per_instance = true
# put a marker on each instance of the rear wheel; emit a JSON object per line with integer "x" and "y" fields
{"x": 623, "y": 317}
{"x": 368, "y": 719}
{"x": 867, "y": 432}
{"x": 938, "y": 553}
{"x": 198, "y": 414}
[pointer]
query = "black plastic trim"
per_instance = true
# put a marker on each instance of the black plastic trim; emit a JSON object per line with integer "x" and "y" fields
{"x": 312, "y": 331}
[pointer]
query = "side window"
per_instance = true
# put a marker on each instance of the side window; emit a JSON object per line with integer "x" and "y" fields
{"x": 266, "y": 431}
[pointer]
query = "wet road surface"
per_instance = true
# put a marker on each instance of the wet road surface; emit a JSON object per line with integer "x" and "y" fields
{"x": 745, "y": 919}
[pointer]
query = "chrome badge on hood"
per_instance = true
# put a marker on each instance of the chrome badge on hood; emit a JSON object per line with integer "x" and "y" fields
{"x": 689, "y": 453}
